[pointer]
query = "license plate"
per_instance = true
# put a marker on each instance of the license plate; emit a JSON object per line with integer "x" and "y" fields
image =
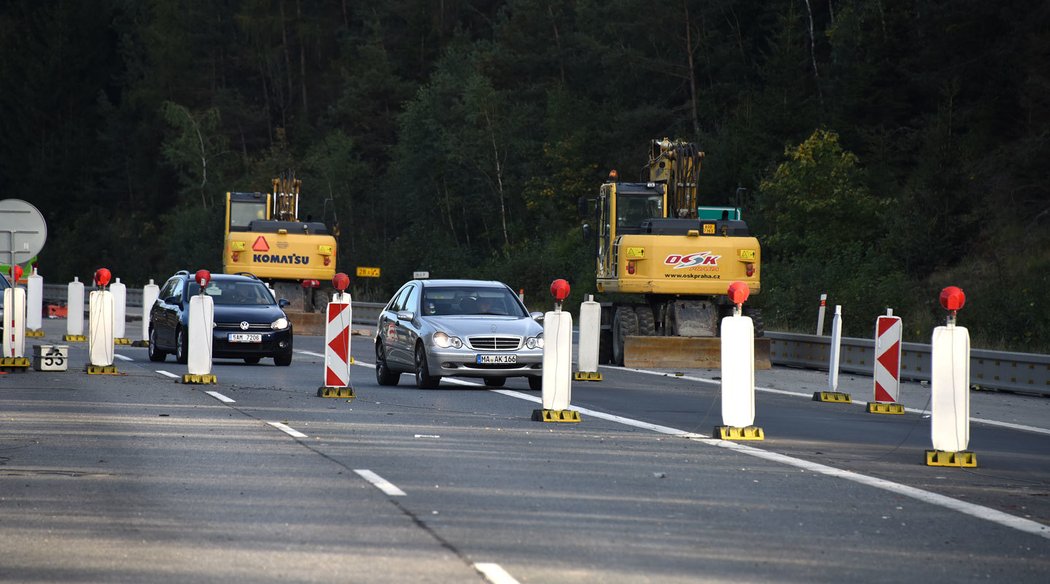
{"x": 496, "y": 359}
{"x": 245, "y": 338}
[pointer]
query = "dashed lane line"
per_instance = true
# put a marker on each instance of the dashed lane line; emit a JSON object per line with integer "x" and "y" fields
{"x": 287, "y": 430}
{"x": 494, "y": 573}
{"x": 167, "y": 374}
{"x": 220, "y": 397}
{"x": 380, "y": 483}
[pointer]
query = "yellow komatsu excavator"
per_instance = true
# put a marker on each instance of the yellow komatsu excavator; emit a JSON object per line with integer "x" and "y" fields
{"x": 664, "y": 265}
{"x": 266, "y": 238}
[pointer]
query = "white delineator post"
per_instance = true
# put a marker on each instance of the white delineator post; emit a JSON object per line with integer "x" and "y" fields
{"x": 738, "y": 371}
{"x": 14, "y": 345}
{"x": 950, "y": 388}
{"x": 833, "y": 394}
{"x": 100, "y": 326}
{"x": 150, "y": 293}
{"x": 75, "y": 311}
{"x": 590, "y": 329}
{"x": 887, "y": 365}
{"x": 34, "y": 305}
{"x": 337, "y": 357}
{"x": 557, "y": 361}
{"x": 120, "y": 300}
{"x": 820, "y": 314}
{"x": 199, "y": 333}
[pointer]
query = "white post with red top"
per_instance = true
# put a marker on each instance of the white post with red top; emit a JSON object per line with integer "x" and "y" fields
{"x": 34, "y": 305}
{"x": 200, "y": 333}
{"x": 833, "y": 394}
{"x": 950, "y": 388}
{"x": 557, "y": 361}
{"x": 820, "y": 314}
{"x": 738, "y": 371}
{"x": 886, "y": 376}
{"x": 100, "y": 326}
{"x": 14, "y": 345}
{"x": 337, "y": 357}
{"x": 75, "y": 312}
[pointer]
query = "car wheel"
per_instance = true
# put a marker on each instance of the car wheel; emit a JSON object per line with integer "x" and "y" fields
{"x": 180, "y": 347}
{"x": 424, "y": 380}
{"x": 384, "y": 376}
{"x": 536, "y": 382}
{"x": 495, "y": 381}
{"x": 281, "y": 359}
{"x": 251, "y": 360}
{"x": 155, "y": 354}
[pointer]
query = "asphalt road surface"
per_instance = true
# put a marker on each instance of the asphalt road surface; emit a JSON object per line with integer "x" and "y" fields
{"x": 139, "y": 478}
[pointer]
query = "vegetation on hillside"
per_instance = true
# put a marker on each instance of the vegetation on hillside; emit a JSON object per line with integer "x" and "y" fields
{"x": 883, "y": 148}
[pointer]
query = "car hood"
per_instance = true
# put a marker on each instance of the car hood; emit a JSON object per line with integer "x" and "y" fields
{"x": 254, "y": 314}
{"x": 469, "y": 325}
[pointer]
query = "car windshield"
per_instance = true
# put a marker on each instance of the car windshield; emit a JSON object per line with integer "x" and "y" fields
{"x": 461, "y": 300}
{"x": 235, "y": 293}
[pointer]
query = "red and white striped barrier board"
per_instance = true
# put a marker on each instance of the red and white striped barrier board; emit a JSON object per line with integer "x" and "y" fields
{"x": 337, "y": 358}
{"x": 887, "y": 374}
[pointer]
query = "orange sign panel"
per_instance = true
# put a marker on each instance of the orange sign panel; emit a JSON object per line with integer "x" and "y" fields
{"x": 260, "y": 244}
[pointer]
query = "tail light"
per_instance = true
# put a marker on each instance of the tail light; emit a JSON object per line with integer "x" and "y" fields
{"x": 750, "y": 267}
{"x": 630, "y": 268}
{"x": 327, "y": 260}
{"x": 311, "y": 284}
{"x": 236, "y": 255}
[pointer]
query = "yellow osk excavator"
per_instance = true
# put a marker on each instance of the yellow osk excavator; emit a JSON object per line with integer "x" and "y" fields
{"x": 265, "y": 237}
{"x": 665, "y": 264}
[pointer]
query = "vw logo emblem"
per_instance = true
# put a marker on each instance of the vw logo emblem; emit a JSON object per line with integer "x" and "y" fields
{"x": 244, "y": 325}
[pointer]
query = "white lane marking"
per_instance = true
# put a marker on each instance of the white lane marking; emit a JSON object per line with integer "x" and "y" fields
{"x": 1012, "y": 426}
{"x": 380, "y": 483}
{"x": 287, "y": 430}
{"x": 494, "y": 573}
{"x": 979, "y": 511}
{"x": 166, "y": 374}
{"x": 310, "y": 353}
{"x": 220, "y": 397}
{"x": 122, "y": 357}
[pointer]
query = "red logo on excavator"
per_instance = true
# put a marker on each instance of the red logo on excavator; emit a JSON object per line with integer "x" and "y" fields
{"x": 260, "y": 244}
{"x": 692, "y": 260}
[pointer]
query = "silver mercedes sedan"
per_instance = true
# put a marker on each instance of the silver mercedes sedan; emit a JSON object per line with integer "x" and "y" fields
{"x": 462, "y": 328}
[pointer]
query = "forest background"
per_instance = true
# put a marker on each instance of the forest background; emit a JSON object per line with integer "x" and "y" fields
{"x": 881, "y": 149}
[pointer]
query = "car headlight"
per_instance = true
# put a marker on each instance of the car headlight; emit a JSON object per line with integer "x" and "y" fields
{"x": 445, "y": 341}
{"x": 280, "y": 324}
{"x": 534, "y": 342}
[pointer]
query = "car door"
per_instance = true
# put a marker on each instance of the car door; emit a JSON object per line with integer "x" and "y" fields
{"x": 387, "y": 328}
{"x": 168, "y": 314}
{"x": 407, "y": 332}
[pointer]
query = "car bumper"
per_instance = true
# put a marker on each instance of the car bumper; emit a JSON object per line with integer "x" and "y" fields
{"x": 461, "y": 363}
{"x": 273, "y": 343}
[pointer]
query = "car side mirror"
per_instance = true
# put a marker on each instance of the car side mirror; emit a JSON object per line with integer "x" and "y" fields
{"x": 405, "y": 315}
{"x": 536, "y": 316}
{"x": 284, "y": 302}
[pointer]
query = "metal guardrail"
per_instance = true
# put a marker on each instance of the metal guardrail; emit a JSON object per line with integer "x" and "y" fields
{"x": 1003, "y": 370}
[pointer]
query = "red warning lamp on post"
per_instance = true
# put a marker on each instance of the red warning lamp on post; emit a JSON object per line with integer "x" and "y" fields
{"x": 16, "y": 271}
{"x": 341, "y": 281}
{"x": 560, "y": 291}
{"x": 202, "y": 277}
{"x": 952, "y": 299}
{"x": 102, "y": 277}
{"x": 738, "y": 293}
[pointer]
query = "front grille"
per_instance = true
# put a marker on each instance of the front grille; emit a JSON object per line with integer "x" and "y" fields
{"x": 493, "y": 343}
{"x": 236, "y": 326}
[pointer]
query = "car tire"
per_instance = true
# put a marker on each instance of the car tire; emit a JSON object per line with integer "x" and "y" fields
{"x": 536, "y": 382}
{"x": 424, "y": 380}
{"x": 384, "y": 376}
{"x": 181, "y": 346}
{"x": 282, "y": 359}
{"x": 252, "y": 360}
{"x": 495, "y": 381}
{"x": 155, "y": 354}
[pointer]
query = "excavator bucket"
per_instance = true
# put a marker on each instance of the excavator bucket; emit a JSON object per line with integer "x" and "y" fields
{"x": 684, "y": 352}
